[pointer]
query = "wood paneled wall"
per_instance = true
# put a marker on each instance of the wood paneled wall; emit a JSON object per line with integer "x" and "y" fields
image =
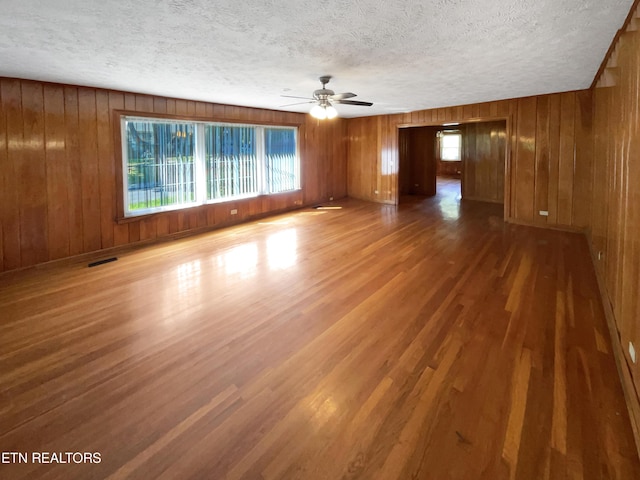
{"x": 417, "y": 160}
{"x": 483, "y": 154}
{"x": 615, "y": 220}
{"x": 373, "y": 158}
{"x": 449, "y": 169}
{"x": 58, "y": 170}
{"x": 549, "y": 159}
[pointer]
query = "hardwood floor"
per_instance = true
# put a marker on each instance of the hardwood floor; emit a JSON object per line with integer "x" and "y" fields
{"x": 428, "y": 341}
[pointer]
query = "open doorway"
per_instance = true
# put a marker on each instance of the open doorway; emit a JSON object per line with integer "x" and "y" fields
{"x": 463, "y": 160}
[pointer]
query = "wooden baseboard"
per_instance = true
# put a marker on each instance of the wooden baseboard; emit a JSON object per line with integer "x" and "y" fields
{"x": 561, "y": 228}
{"x": 480, "y": 199}
{"x": 630, "y": 393}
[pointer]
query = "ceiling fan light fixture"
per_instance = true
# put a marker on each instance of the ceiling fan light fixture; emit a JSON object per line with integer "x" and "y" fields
{"x": 319, "y": 112}
{"x": 323, "y": 98}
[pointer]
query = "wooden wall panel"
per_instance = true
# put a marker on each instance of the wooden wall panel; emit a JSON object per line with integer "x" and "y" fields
{"x": 543, "y": 154}
{"x": 469, "y": 152}
{"x": 33, "y": 201}
{"x": 404, "y": 163}
{"x": 120, "y": 231}
{"x": 449, "y": 169}
{"x": 582, "y": 181}
{"x": 364, "y": 153}
{"x": 554, "y": 159}
{"x": 12, "y": 107}
{"x": 106, "y": 168}
{"x": 74, "y": 166}
{"x": 89, "y": 169}
{"x": 418, "y": 160}
{"x": 483, "y": 153}
{"x": 524, "y": 170}
{"x": 57, "y": 173}
{"x": 567, "y": 158}
{"x": 615, "y": 196}
{"x": 62, "y": 143}
{"x": 557, "y": 176}
{"x": 5, "y": 178}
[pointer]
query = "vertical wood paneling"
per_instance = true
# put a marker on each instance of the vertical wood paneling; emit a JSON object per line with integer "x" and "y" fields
{"x": 191, "y": 109}
{"x": 337, "y": 178}
{"x": 120, "y": 231}
{"x": 538, "y": 180}
{"x": 420, "y": 162}
{"x": 5, "y": 212}
{"x": 89, "y": 169}
{"x": 57, "y": 173}
{"x": 469, "y": 133}
{"x": 543, "y": 149}
{"x": 159, "y": 105}
{"x": 63, "y": 143}
{"x": 171, "y": 106}
{"x": 524, "y": 170}
{"x": 614, "y": 194}
{"x": 582, "y": 182}
{"x": 567, "y": 158}
{"x": 404, "y": 164}
{"x": 33, "y": 201}
{"x": 74, "y": 168}
{"x": 130, "y": 101}
{"x": 12, "y": 108}
{"x": 554, "y": 158}
{"x": 106, "y": 169}
{"x": 144, "y": 103}
{"x": 484, "y": 161}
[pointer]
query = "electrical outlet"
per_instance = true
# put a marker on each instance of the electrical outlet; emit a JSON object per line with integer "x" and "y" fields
{"x": 330, "y": 198}
{"x": 544, "y": 213}
{"x": 632, "y": 352}
{"x": 234, "y": 211}
{"x": 375, "y": 192}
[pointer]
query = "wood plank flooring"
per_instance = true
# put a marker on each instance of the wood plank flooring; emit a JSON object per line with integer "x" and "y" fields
{"x": 427, "y": 341}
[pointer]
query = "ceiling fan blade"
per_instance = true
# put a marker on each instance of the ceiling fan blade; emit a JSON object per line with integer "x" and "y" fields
{"x": 292, "y": 96}
{"x": 298, "y": 103}
{"x": 354, "y": 102}
{"x": 341, "y": 96}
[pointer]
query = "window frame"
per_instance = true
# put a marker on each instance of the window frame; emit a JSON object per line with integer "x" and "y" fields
{"x": 123, "y": 215}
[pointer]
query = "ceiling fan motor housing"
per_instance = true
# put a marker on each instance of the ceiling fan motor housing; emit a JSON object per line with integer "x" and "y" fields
{"x": 323, "y": 94}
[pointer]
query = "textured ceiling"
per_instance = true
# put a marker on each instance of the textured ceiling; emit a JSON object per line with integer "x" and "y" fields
{"x": 402, "y": 55}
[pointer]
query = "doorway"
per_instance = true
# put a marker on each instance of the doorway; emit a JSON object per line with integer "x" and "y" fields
{"x": 428, "y": 157}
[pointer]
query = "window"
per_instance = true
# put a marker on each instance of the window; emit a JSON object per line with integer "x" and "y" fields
{"x": 168, "y": 165}
{"x": 232, "y": 161}
{"x": 450, "y": 146}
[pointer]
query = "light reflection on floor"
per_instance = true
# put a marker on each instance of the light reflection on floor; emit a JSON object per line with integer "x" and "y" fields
{"x": 188, "y": 277}
{"x": 448, "y": 194}
{"x": 282, "y": 249}
{"x": 242, "y": 260}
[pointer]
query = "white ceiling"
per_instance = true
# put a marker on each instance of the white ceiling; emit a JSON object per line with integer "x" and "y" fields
{"x": 402, "y": 55}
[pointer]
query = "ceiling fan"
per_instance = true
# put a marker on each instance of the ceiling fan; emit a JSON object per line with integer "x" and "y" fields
{"x": 324, "y": 99}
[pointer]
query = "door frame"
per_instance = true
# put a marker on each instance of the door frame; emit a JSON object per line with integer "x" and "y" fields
{"x": 508, "y": 177}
